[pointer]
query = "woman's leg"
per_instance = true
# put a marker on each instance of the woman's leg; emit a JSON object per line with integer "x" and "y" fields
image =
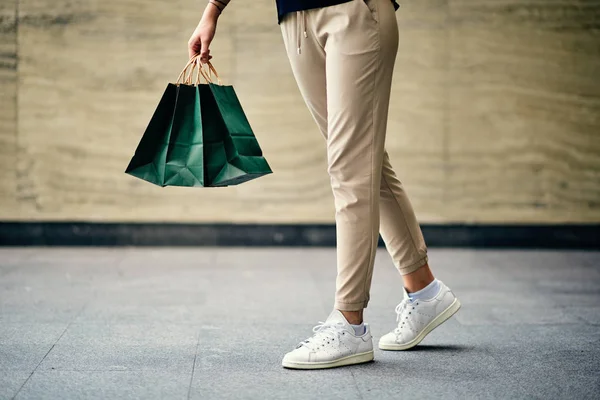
{"x": 399, "y": 227}
{"x": 334, "y": 343}
{"x": 360, "y": 39}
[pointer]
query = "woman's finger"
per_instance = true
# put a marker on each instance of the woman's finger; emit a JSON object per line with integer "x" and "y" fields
{"x": 193, "y": 48}
{"x": 204, "y": 52}
{"x": 206, "y": 58}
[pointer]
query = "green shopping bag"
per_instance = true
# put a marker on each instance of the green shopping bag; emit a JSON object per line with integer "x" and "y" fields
{"x": 198, "y": 136}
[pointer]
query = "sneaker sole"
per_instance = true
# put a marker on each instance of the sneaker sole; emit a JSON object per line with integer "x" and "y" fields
{"x": 443, "y": 317}
{"x": 349, "y": 360}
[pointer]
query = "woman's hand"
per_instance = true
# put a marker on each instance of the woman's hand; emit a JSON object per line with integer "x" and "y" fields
{"x": 203, "y": 35}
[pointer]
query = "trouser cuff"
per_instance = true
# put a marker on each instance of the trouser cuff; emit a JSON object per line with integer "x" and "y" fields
{"x": 350, "y": 306}
{"x": 408, "y": 269}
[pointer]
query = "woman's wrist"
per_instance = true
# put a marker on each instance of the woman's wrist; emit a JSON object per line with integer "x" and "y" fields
{"x": 212, "y": 11}
{"x": 221, "y": 4}
{"x": 216, "y": 7}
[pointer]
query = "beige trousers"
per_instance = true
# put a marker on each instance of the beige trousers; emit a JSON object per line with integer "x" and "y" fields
{"x": 343, "y": 58}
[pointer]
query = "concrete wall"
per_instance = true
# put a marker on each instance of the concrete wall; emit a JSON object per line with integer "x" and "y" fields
{"x": 495, "y": 114}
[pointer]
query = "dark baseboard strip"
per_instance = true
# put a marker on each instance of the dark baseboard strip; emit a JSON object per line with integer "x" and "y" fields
{"x": 568, "y": 236}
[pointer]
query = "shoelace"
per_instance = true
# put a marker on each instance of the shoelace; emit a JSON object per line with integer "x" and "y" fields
{"x": 400, "y": 309}
{"x": 324, "y": 333}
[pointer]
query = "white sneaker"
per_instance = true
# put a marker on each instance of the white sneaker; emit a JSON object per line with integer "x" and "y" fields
{"x": 417, "y": 318}
{"x": 334, "y": 344}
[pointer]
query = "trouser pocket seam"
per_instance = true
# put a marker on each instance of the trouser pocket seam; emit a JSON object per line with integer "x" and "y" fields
{"x": 372, "y": 7}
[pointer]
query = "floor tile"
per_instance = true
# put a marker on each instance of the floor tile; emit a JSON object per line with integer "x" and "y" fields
{"x": 147, "y": 385}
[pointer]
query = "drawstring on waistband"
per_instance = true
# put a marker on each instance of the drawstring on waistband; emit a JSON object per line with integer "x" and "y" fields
{"x": 301, "y": 26}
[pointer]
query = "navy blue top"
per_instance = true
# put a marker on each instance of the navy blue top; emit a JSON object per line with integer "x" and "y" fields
{"x": 287, "y": 6}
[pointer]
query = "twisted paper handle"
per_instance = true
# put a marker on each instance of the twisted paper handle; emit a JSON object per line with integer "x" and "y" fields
{"x": 184, "y": 72}
{"x": 211, "y": 71}
{"x": 186, "y": 75}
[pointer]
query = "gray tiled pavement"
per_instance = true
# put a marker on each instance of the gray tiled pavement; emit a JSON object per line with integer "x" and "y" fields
{"x": 150, "y": 323}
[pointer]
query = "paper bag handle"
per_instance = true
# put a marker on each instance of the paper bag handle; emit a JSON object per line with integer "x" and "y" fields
{"x": 184, "y": 71}
{"x": 185, "y": 77}
{"x": 211, "y": 71}
{"x": 196, "y": 64}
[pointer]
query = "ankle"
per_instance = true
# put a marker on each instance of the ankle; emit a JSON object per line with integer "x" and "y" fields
{"x": 419, "y": 279}
{"x": 353, "y": 317}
